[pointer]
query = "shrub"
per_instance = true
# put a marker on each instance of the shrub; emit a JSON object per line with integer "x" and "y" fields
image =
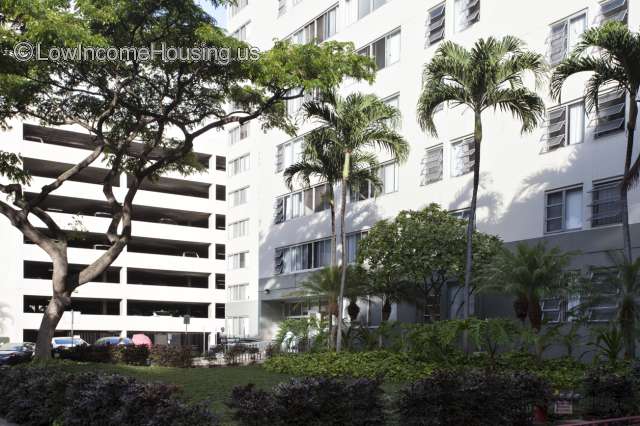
{"x": 31, "y": 396}
{"x": 392, "y": 366}
{"x": 117, "y": 400}
{"x": 609, "y": 394}
{"x": 472, "y": 399}
{"x": 171, "y": 356}
{"x": 311, "y": 401}
{"x": 132, "y": 355}
{"x": 42, "y": 396}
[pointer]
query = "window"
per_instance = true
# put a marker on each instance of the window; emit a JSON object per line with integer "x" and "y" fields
{"x": 353, "y": 241}
{"x": 288, "y": 153}
{"x": 565, "y": 126}
{"x": 389, "y": 174}
{"x": 221, "y": 280}
{"x": 237, "y": 326}
{"x": 239, "y": 197}
{"x": 303, "y": 257}
{"x": 241, "y": 33}
{"x": 365, "y": 7}
{"x": 606, "y": 203}
{"x": 611, "y": 113}
{"x": 604, "y": 309}
{"x": 220, "y": 310}
{"x": 239, "y": 165}
{"x": 301, "y": 203}
{"x": 462, "y": 156}
{"x": 463, "y": 214}
{"x": 467, "y": 13}
{"x": 435, "y": 25}
{"x": 394, "y": 101}
{"x": 235, "y": 8}
{"x": 565, "y": 35}
{"x": 220, "y": 251}
{"x": 613, "y": 10}
{"x": 563, "y": 210}
{"x": 221, "y": 193}
{"x": 239, "y": 229}
{"x": 385, "y": 51}
{"x": 238, "y": 293}
{"x": 221, "y": 163}
{"x": 238, "y": 261}
{"x": 432, "y": 165}
{"x": 238, "y": 133}
{"x": 320, "y": 29}
{"x": 221, "y": 222}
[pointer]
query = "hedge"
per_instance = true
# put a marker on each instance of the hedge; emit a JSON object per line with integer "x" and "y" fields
{"x": 311, "y": 401}
{"x": 35, "y": 396}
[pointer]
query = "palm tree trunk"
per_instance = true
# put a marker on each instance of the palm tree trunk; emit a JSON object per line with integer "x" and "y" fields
{"x": 343, "y": 242}
{"x": 334, "y": 242}
{"x": 477, "y": 139}
{"x": 624, "y": 206}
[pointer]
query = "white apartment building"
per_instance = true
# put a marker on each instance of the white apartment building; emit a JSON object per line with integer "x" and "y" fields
{"x": 173, "y": 267}
{"x": 556, "y": 183}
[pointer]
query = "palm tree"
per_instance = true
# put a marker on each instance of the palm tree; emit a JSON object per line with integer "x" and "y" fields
{"x": 530, "y": 273}
{"x": 353, "y": 128}
{"x": 620, "y": 288}
{"x": 325, "y": 284}
{"x": 489, "y": 76}
{"x": 615, "y": 60}
{"x": 320, "y": 161}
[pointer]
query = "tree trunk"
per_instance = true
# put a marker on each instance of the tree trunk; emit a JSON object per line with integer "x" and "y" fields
{"x": 353, "y": 310}
{"x": 624, "y": 206}
{"x": 334, "y": 242}
{"x": 535, "y": 313}
{"x": 55, "y": 309}
{"x": 628, "y": 329}
{"x": 386, "y": 310}
{"x": 343, "y": 242}
{"x": 477, "y": 139}
{"x": 521, "y": 308}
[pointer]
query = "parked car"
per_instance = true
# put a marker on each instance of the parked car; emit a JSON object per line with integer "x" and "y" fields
{"x": 113, "y": 341}
{"x": 16, "y": 353}
{"x": 67, "y": 342}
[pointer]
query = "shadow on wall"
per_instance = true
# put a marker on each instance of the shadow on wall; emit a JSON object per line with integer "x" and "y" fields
{"x": 7, "y": 321}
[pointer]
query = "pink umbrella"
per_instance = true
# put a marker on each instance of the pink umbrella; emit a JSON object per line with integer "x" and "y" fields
{"x": 141, "y": 340}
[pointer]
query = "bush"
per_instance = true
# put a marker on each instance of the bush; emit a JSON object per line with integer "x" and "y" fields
{"x": 609, "y": 394}
{"x": 472, "y": 399}
{"x": 132, "y": 355}
{"x": 171, "y": 356}
{"x": 31, "y": 396}
{"x": 310, "y": 401}
{"x": 42, "y": 396}
{"x": 392, "y": 366}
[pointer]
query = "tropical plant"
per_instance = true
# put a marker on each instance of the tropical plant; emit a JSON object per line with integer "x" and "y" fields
{"x": 611, "y": 53}
{"x": 352, "y": 129}
{"x": 618, "y": 287}
{"x": 492, "y": 335}
{"x": 489, "y": 76}
{"x": 325, "y": 284}
{"x": 608, "y": 342}
{"x": 529, "y": 273}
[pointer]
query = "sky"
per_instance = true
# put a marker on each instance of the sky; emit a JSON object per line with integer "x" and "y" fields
{"x": 219, "y": 13}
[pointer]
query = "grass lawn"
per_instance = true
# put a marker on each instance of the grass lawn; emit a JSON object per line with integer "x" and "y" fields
{"x": 198, "y": 384}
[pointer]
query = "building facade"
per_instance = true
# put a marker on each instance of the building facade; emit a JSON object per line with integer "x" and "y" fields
{"x": 173, "y": 267}
{"x": 557, "y": 183}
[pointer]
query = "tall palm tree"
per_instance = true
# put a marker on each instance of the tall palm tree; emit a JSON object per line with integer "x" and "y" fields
{"x": 620, "y": 288}
{"x": 615, "y": 60}
{"x": 320, "y": 161}
{"x": 488, "y": 76}
{"x": 530, "y": 273}
{"x": 353, "y": 129}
